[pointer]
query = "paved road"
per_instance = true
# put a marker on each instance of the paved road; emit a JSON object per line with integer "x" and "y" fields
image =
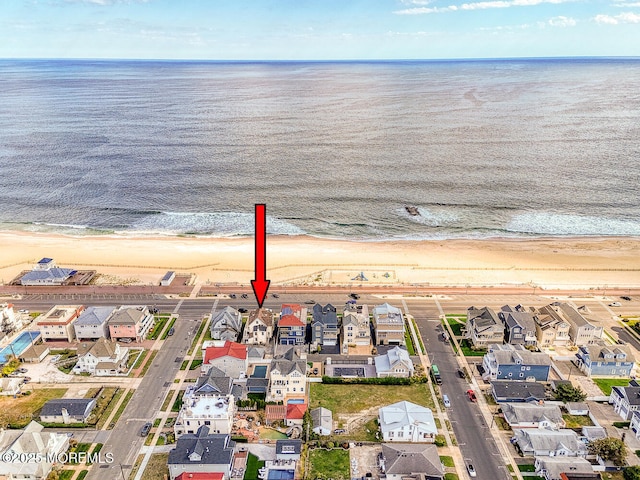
{"x": 125, "y": 442}
{"x": 473, "y": 435}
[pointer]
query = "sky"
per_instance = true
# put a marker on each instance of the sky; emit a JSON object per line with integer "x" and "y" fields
{"x": 318, "y": 29}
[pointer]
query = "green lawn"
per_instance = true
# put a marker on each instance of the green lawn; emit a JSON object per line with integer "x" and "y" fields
{"x": 450, "y": 476}
{"x": 356, "y": 398}
{"x": 465, "y": 346}
{"x": 605, "y": 384}
{"x": 18, "y": 412}
{"x": 164, "y": 335}
{"x": 253, "y": 465}
{"x": 447, "y": 461}
{"x": 577, "y": 421}
{"x": 329, "y": 464}
{"x": 157, "y": 327}
{"x": 527, "y": 468}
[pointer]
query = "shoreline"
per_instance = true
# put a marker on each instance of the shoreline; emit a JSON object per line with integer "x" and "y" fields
{"x": 582, "y": 262}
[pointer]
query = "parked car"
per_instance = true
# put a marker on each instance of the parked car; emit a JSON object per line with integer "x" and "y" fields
{"x": 355, "y": 296}
{"x": 446, "y": 401}
{"x": 275, "y": 295}
{"x": 244, "y": 295}
{"x": 472, "y": 395}
{"x": 461, "y": 373}
{"x": 338, "y": 431}
{"x": 171, "y": 331}
{"x": 615, "y": 304}
{"x": 310, "y": 302}
{"x": 471, "y": 470}
{"x": 628, "y": 299}
{"x": 22, "y": 370}
{"x": 232, "y": 295}
{"x": 243, "y": 310}
{"x": 146, "y": 428}
{"x": 125, "y": 340}
{"x": 26, "y": 312}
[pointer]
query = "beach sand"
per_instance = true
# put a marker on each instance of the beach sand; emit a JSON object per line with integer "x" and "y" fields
{"x": 552, "y": 263}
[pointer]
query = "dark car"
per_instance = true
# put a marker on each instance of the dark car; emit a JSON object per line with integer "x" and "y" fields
{"x": 232, "y": 295}
{"x": 275, "y": 295}
{"x": 461, "y": 373}
{"x": 310, "y": 302}
{"x": 355, "y": 296}
{"x": 628, "y": 299}
{"x": 244, "y": 295}
{"x": 146, "y": 428}
{"x": 171, "y": 331}
{"x": 243, "y": 310}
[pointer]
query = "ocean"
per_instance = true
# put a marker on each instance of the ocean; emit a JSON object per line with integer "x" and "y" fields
{"x": 483, "y": 149}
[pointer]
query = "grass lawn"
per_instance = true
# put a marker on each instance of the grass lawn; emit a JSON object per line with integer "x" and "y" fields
{"x": 195, "y": 339}
{"x": 66, "y": 474}
{"x": 123, "y": 405}
{"x": 149, "y": 362}
{"x": 605, "y": 384}
{"x": 157, "y": 327}
{"x": 195, "y": 364}
{"x": 356, "y": 398}
{"x": 409, "y": 342}
{"x": 165, "y": 334}
{"x": 332, "y": 464}
{"x": 576, "y": 421}
{"x": 415, "y": 327}
{"x": 465, "y": 346}
{"x": 157, "y": 467}
{"x": 450, "y": 476}
{"x": 82, "y": 474}
{"x": 527, "y": 468}
{"x": 364, "y": 433}
{"x": 447, "y": 461}
{"x": 115, "y": 395}
{"x": 17, "y": 412}
{"x": 253, "y": 465}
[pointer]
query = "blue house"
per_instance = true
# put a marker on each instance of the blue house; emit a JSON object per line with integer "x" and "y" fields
{"x": 605, "y": 360}
{"x": 514, "y": 362}
{"x": 324, "y": 326}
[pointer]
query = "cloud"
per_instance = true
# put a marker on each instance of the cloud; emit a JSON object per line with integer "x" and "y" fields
{"x": 562, "y": 21}
{"x": 626, "y": 17}
{"x": 104, "y": 2}
{"x": 627, "y": 4}
{"x": 476, "y": 6}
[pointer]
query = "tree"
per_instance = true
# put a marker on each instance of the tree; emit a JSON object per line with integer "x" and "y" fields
{"x": 632, "y": 473}
{"x": 566, "y": 392}
{"x": 609, "y": 448}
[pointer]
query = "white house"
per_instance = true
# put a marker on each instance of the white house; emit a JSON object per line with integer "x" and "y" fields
{"x": 67, "y": 410}
{"x": 287, "y": 376}
{"x": 202, "y": 452}
{"x": 407, "y": 422}
{"x": 93, "y": 323}
{"x": 394, "y": 363}
{"x": 34, "y": 443}
{"x": 533, "y": 415}
{"x": 551, "y": 443}
{"x": 57, "y": 323}
{"x": 625, "y": 400}
{"x": 102, "y": 358}
{"x": 226, "y": 324}
{"x": 230, "y": 357}
{"x": 214, "y": 411}
{"x": 356, "y": 326}
{"x": 552, "y": 468}
{"x": 10, "y": 385}
{"x": 259, "y": 327}
{"x": 322, "y": 419}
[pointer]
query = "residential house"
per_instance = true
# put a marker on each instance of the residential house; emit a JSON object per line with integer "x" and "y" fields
{"x": 577, "y": 408}
{"x": 411, "y": 462}
{"x": 553, "y": 468}
{"x": 514, "y": 362}
{"x": 388, "y": 325}
{"x": 202, "y": 452}
{"x": 356, "y": 327}
{"x": 287, "y": 376}
{"x": 324, "y": 325}
{"x": 34, "y": 353}
{"x": 519, "y": 325}
{"x": 533, "y": 415}
{"x": 212, "y": 410}
{"x": 47, "y": 273}
{"x": 292, "y": 325}
{"x": 552, "y": 329}
{"x": 395, "y": 363}
{"x": 226, "y": 324}
{"x": 67, "y": 410}
{"x": 599, "y": 360}
{"x": 93, "y": 323}
{"x": 101, "y": 358}
{"x": 635, "y": 423}
{"x": 591, "y": 433}
{"x": 516, "y": 391}
{"x": 201, "y": 476}
{"x": 9, "y": 321}
{"x": 275, "y": 413}
{"x": 581, "y": 330}
{"x": 57, "y": 323}
{"x": 33, "y": 442}
{"x": 550, "y": 443}
{"x": 483, "y": 327}
{"x": 130, "y": 322}
{"x": 259, "y": 327}
{"x": 322, "y": 420}
{"x": 214, "y": 383}
{"x": 407, "y": 422}
{"x": 295, "y": 414}
{"x": 230, "y": 357}
{"x": 287, "y": 450}
{"x": 625, "y": 400}
{"x": 10, "y": 386}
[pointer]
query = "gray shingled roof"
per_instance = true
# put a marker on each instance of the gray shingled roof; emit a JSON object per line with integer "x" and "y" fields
{"x": 74, "y": 406}
{"x": 288, "y": 362}
{"x": 407, "y": 458}
{"x": 520, "y": 412}
{"x": 94, "y": 315}
{"x": 522, "y": 390}
{"x": 202, "y": 448}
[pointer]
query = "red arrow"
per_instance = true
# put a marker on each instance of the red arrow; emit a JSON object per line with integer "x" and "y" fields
{"x": 260, "y": 284}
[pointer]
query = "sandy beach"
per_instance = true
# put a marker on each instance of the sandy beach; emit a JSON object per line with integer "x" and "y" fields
{"x": 560, "y": 263}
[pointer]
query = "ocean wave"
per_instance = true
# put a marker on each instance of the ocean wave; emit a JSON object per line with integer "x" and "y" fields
{"x": 549, "y": 223}
{"x": 217, "y": 224}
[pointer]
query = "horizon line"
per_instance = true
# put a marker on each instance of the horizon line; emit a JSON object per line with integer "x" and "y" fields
{"x": 353, "y": 60}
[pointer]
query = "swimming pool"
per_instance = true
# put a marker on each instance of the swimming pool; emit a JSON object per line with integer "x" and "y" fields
{"x": 19, "y": 344}
{"x": 260, "y": 371}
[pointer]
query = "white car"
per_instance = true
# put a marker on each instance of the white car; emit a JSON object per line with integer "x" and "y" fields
{"x": 615, "y": 304}
{"x": 26, "y": 312}
{"x": 471, "y": 470}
